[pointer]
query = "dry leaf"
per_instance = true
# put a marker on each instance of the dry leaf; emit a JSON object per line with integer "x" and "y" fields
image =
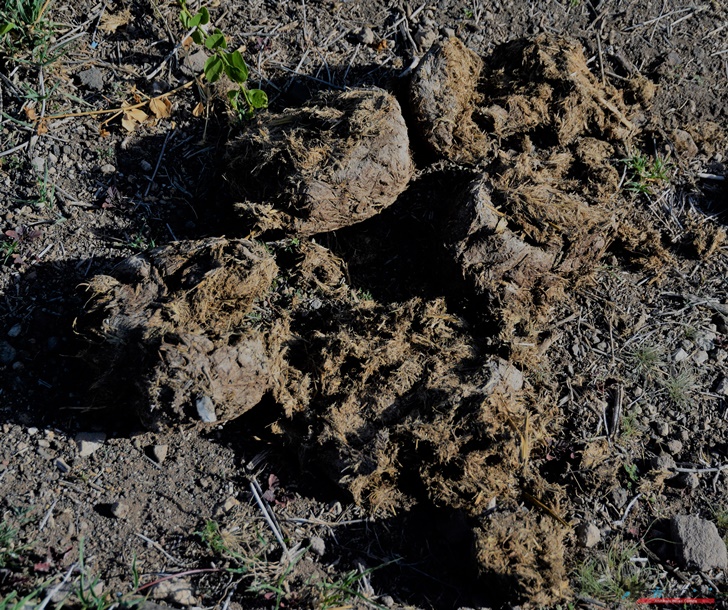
{"x": 198, "y": 110}
{"x": 132, "y": 118}
{"x": 30, "y": 113}
{"x": 109, "y": 22}
{"x": 161, "y": 107}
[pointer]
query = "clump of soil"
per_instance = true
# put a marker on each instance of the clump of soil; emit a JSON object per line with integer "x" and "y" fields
{"x": 336, "y": 162}
{"x": 171, "y": 331}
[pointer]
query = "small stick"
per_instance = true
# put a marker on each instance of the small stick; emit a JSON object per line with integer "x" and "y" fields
{"x": 159, "y": 161}
{"x": 187, "y": 85}
{"x": 47, "y": 516}
{"x": 702, "y": 470}
{"x": 158, "y": 546}
{"x": 14, "y": 149}
{"x": 56, "y": 589}
{"x": 254, "y": 487}
{"x": 627, "y": 510}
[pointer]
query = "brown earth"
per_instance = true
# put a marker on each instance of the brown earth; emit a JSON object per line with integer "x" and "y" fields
{"x": 422, "y": 378}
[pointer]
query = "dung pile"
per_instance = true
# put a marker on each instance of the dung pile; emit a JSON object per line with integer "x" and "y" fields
{"x": 336, "y": 162}
{"x": 546, "y": 134}
{"x": 535, "y": 91}
{"x": 170, "y": 332}
{"x": 399, "y": 403}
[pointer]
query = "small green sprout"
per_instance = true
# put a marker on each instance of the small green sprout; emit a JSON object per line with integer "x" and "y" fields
{"x": 243, "y": 100}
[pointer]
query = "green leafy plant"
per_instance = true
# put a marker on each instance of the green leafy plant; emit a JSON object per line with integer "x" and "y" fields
{"x": 646, "y": 173}
{"x": 244, "y": 101}
{"x": 24, "y": 27}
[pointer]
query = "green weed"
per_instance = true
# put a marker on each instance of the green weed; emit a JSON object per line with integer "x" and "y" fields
{"x": 679, "y": 386}
{"x": 24, "y": 28}
{"x": 646, "y": 174}
{"x": 613, "y": 577}
{"x": 243, "y": 100}
{"x": 646, "y": 359}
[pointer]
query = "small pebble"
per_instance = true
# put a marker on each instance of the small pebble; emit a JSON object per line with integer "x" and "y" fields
{"x": 365, "y": 36}
{"x": 15, "y": 330}
{"x": 206, "y": 409}
{"x": 93, "y": 78}
{"x": 7, "y": 352}
{"x": 674, "y": 446}
{"x": 664, "y": 461}
{"x": 38, "y": 164}
{"x": 317, "y": 545}
{"x": 88, "y": 442}
{"x": 687, "y": 480}
{"x": 721, "y": 387}
{"x": 588, "y": 535}
{"x": 701, "y": 357}
{"x": 680, "y": 355}
{"x": 119, "y": 510}
{"x": 108, "y": 169}
{"x": 61, "y": 465}
{"x": 159, "y": 453}
{"x": 662, "y": 428}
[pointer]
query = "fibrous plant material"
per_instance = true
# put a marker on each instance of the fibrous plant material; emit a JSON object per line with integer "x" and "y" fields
{"x": 444, "y": 95}
{"x": 172, "y": 328}
{"x": 521, "y": 238}
{"x": 539, "y": 89}
{"x": 338, "y": 161}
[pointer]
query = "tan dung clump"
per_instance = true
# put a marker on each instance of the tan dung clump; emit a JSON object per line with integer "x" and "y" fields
{"x": 443, "y": 96}
{"x": 171, "y": 329}
{"x": 336, "y": 162}
{"x": 466, "y": 108}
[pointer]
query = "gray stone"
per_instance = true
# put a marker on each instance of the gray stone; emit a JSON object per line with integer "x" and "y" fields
{"x": 194, "y": 63}
{"x": 619, "y": 497}
{"x": 7, "y": 352}
{"x": 425, "y": 38}
{"x": 206, "y": 409}
{"x": 680, "y": 355}
{"x": 120, "y": 510}
{"x": 365, "y": 36}
{"x": 698, "y": 543}
{"x": 89, "y": 442}
{"x": 687, "y": 480}
{"x": 159, "y": 453}
{"x": 108, "y": 169}
{"x": 674, "y": 446}
{"x": 701, "y": 357}
{"x": 662, "y": 428}
{"x": 38, "y": 164}
{"x": 721, "y": 386}
{"x": 178, "y": 591}
{"x": 588, "y": 535}
{"x": 15, "y": 330}
{"x": 317, "y": 545}
{"x": 61, "y": 465}
{"x": 664, "y": 461}
{"x": 93, "y": 78}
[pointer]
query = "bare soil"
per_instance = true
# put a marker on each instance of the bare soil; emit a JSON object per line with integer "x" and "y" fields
{"x": 396, "y": 341}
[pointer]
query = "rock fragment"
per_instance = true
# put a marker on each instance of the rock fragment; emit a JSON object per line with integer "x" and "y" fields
{"x": 89, "y": 442}
{"x": 698, "y": 543}
{"x": 588, "y": 535}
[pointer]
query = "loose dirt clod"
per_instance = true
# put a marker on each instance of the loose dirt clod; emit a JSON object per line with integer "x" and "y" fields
{"x": 328, "y": 165}
{"x": 172, "y": 328}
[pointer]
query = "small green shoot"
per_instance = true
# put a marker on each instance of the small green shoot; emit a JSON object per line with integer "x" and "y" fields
{"x": 646, "y": 174}
{"x": 243, "y": 100}
{"x": 646, "y": 359}
{"x": 611, "y": 578}
{"x": 679, "y": 386}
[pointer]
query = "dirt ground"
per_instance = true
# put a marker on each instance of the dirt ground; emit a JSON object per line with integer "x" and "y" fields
{"x": 444, "y": 327}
